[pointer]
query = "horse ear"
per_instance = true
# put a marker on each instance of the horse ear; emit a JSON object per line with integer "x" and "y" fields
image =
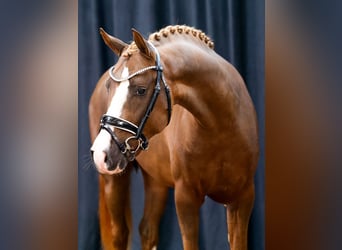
{"x": 116, "y": 45}
{"x": 141, "y": 43}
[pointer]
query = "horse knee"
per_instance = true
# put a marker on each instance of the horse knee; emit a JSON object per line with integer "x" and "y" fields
{"x": 148, "y": 235}
{"x": 120, "y": 237}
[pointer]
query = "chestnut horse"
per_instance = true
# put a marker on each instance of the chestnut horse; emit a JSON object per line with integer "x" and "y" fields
{"x": 184, "y": 114}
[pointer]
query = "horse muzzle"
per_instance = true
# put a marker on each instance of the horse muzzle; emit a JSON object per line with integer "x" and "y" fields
{"x": 109, "y": 163}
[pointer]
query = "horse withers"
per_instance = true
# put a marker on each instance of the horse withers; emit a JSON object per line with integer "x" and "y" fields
{"x": 184, "y": 114}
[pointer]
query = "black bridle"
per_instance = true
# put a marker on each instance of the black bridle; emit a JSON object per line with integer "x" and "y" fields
{"x": 107, "y": 120}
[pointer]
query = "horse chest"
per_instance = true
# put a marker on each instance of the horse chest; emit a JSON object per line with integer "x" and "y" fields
{"x": 211, "y": 172}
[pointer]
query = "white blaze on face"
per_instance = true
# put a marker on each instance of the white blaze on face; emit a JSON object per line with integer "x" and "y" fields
{"x": 102, "y": 141}
{"x": 120, "y": 96}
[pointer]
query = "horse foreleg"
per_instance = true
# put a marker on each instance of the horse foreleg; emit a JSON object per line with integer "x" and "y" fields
{"x": 155, "y": 201}
{"x": 238, "y": 214}
{"x": 114, "y": 211}
{"x": 104, "y": 217}
{"x": 188, "y": 203}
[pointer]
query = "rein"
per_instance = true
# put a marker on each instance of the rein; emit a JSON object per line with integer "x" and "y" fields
{"x": 137, "y": 131}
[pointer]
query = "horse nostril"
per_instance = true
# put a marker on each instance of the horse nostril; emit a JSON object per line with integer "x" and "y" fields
{"x": 92, "y": 154}
{"x": 106, "y": 158}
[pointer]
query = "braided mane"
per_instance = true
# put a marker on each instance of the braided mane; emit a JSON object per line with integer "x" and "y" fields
{"x": 181, "y": 29}
{"x": 172, "y": 30}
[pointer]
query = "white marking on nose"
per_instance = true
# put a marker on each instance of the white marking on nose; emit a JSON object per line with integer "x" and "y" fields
{"x": 100, "y": 145}
{"x": 154, "y": 248}
{"x": 102, "y": 141}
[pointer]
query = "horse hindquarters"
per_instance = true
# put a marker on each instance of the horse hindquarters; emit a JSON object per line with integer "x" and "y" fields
{"x": 114, "y": 211}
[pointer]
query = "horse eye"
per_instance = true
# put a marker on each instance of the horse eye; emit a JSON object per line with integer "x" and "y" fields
{"x": 141, "y": 91}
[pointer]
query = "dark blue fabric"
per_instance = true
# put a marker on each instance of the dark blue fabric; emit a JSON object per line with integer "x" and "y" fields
{"x": 237, "y": 28}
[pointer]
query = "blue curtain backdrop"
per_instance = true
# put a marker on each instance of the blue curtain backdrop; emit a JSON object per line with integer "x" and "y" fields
{"x": 237, "y": 28}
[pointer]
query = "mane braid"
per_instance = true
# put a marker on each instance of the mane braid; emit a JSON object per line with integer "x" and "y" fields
{"x": 182, "y": 29}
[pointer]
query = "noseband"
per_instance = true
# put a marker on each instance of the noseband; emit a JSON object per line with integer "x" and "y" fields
{"x": 107, "y": 120}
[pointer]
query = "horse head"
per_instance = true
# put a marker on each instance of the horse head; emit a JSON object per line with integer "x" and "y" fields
{"x": 134, "y": 110}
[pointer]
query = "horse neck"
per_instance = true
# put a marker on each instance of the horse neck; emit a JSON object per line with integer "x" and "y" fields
{"x": 198, "y": 80}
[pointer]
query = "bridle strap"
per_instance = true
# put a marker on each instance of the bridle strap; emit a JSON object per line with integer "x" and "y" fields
{"x": 131, "y": 75}
{"x": 114, "y": 137}
{"x": 156, "y": 91}
{"x": 168, "y": 98}
{"x": 123, "y": 125}
{"x": 160, "y": 76}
